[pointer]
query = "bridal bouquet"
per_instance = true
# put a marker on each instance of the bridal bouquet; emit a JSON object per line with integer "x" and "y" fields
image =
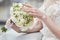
{"x": 21, "y": 18}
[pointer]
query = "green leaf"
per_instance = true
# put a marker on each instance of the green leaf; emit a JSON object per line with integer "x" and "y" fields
{"x": 3, "y": 29}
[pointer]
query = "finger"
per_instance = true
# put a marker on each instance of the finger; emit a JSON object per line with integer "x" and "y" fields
{"x": 27, "y": 5}
{"x": 29, "y": 10}
{"x": 39, "y": 24}
{"x": 33, "y": 14}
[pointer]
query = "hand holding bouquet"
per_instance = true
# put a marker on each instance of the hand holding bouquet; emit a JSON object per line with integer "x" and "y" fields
{"x": 21, "y": 18}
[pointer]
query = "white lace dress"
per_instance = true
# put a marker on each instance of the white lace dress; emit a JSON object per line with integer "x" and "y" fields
{"x": 54, "y": 12}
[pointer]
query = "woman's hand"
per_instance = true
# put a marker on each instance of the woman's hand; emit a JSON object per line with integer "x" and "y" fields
{"x": 9, "y": 24}
{"x": 37, "y": 27}
{"x": 47, "y": 20}
{"x": 33, "y": 11}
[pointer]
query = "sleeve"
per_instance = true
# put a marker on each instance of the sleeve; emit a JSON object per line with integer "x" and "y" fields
{"x": 54, "y": 12}
{"x": 42, "y": 8}
{"x": 57, "y": 17}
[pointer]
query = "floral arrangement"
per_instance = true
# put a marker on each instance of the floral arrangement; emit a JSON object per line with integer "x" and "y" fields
{"x": 21, "y": 18}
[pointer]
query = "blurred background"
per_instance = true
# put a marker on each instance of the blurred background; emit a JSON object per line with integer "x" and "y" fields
{"x": 6, "y": 4}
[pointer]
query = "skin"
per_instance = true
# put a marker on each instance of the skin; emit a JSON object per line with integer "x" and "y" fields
{"x": 47, "y": 20}
{"x": 37, "y": 27}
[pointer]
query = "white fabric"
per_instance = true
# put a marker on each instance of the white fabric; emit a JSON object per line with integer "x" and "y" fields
{"x": 32, "y": 36}
{"x": 12, "y": 35}
{"x": 54, "y": 12}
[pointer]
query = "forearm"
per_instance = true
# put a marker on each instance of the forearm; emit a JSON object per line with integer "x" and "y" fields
{"x": 52, "y": 26}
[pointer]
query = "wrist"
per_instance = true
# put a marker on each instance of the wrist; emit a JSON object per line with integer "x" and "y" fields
{"x": 43, "y": 17}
